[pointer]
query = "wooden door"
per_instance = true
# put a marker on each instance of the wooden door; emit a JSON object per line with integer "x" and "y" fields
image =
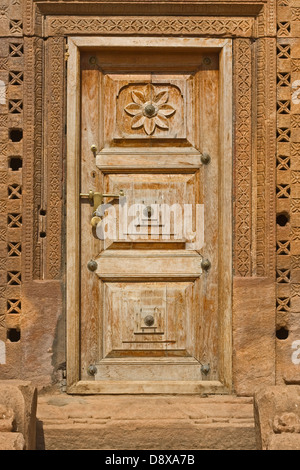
{"x": 150, "y": 263}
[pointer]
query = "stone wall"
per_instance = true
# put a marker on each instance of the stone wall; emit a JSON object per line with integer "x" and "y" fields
{"x": 31, "y": 185}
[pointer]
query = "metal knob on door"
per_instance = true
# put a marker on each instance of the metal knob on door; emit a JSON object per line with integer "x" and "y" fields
{"x": 206, "y": 264}
{"x": 205, "y": 158}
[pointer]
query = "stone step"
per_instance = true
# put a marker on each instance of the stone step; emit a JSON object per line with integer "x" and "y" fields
{"x": 128, "y": 422}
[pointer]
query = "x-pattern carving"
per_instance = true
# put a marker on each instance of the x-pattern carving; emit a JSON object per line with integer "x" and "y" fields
{"x": 14, "y": 278}
{"x": 15, "y": 106}
{"x": 15, "y": 78}
{"x": 14, "y": 249}
{"x": 283, "y": 191}
{"x": 283, "y": 304}
{"x": 295, "y": 261}
{"x": 284, "y": 79}
{"x": 13, "y": 306}
{"x": 283, "y": 247}
{"x": 14, "y": 191}
{"x": 295, "y": 233}
{"x": 283, "y": 276}
{"x": 284, "y": 107}
{"x": 283, "y": 51}
{"x": 284, "y": 28}
{"x": 283, "y": 163}
{"x": 16, "y": 26}
{"x": 16, "y": 50}
{"x": 14, "y": 220}
{"x": 283, "y": 134}
{"x": 295, "y": 121}
{"x": 295, "y": 206}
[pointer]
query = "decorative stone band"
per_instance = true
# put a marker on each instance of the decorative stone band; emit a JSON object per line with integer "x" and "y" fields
{"x": 221, "y": 26}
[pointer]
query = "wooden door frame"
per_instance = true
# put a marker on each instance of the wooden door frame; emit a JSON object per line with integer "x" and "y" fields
{"x": 224, "y": 47}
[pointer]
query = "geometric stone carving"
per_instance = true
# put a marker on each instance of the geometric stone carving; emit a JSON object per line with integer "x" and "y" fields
{"x": 151, "y": 25}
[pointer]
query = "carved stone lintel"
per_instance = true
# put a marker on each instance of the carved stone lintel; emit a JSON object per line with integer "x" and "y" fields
{"x": 153, "y": 25}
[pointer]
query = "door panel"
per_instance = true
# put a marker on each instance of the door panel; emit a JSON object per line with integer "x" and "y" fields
{"x": 149, "y": 310}
{"x": 152, "y": 209}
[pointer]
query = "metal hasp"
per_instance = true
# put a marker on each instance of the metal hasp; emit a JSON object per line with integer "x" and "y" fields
{"x": 97, "y": 200}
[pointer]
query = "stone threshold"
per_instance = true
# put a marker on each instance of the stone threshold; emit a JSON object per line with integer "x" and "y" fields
{"x": 145, "y": 422}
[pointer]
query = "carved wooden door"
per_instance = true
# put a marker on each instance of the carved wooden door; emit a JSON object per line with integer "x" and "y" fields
{"x": 149, "y": 275}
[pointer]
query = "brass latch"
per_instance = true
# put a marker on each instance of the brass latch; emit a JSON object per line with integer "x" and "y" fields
{"x": 97, "y": 200}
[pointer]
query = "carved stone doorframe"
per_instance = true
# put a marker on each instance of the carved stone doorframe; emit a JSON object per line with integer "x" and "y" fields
{"x": 254, "y": 144}
{"x": 75, "y": 384}
{"x": 264, "y": 35}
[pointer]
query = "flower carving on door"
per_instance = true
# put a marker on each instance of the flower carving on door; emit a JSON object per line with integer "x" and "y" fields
{"x": 150, "y": 109}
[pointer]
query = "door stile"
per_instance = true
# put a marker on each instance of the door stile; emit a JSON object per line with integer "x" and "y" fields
{"x": 72, "y": 215}
{"x": 226, "y": 210}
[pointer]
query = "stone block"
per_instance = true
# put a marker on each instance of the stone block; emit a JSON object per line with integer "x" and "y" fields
{"x": 253, "y": 335}
{"x": 18, "y": 403}
{"x": 277, "y": 417}
{"x": 7, "y": 417}
{"x": 12, "y": 441}
{"x": 140, "y": 423}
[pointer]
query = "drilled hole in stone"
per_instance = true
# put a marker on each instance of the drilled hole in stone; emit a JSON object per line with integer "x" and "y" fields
{"x": 16, "y": 135}
{"x": 282, "y": 219}
{"x": 43, "y": 234}
{"x": 15, "y": 163}
{"x": 13, "y": 335}
{"x": 42, "y": 212}
{"x": 282, "y": 334}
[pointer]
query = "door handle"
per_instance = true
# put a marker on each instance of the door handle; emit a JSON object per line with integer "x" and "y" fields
{"x": 96, "y": 199}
